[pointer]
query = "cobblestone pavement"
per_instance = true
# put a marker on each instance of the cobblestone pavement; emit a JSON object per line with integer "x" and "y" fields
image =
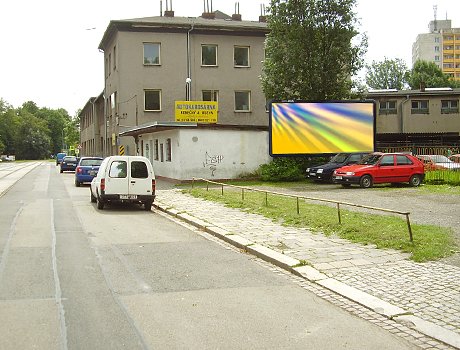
{"x": 430, "y": 291}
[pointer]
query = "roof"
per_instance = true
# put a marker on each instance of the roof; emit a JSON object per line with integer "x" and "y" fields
{"x": 183, "y": 24}
{"x": 404, "y": 93}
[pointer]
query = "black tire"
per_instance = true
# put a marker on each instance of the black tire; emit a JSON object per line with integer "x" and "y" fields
{"x": 148, "y": 205}
{"x": 61, "y": 170}
{"x": 100, "y": 203}
{"x": 93, "y": 199}
{"x": 77, "y": 183}
{"x": 415, "y": 181}
{"x": 366, "y": 181}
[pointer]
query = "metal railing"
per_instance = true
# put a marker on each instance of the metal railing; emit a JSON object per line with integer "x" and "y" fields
{"x": 338, "y": 203}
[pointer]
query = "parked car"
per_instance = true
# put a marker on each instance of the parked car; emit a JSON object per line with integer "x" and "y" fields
{"x": 59, "y": 158}
{"x": 124, "y": 179}
{"x": 455, "y": 158}
{"x": 87, "y": 169}
{"x": 323, "y": 172}
{"x": 438, "y": 162}
{"x": 382, "y": 168}
{"x": 69, "y": 163}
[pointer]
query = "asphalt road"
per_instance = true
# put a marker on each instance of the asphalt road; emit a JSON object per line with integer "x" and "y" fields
{"x": 74, "y": 277}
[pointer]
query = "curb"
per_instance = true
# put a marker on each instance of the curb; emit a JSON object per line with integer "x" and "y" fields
{"x": 311, "y": 274}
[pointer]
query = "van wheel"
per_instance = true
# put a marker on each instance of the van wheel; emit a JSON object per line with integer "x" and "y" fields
{"x": 414, "y": 181}
{"x": 93, "y": 199}
{"x": 366, "y": 181}
{"x": 100, "y": 203}
{"x": 148, "y": 205}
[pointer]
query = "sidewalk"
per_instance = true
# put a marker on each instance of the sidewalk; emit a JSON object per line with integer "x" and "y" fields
{"x": 426, "y": 297}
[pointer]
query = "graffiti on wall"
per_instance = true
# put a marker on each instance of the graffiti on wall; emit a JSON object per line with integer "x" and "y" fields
{"x": 211, "y": 162}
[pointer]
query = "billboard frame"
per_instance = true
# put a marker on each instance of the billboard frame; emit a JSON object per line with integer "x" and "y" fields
{"x": 320, "y": 102}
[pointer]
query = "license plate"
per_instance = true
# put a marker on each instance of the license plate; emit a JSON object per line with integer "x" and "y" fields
{"x": 338, "y": 177}
{"x": 93, "y": 172}
{"x": 128, "y": 196}
{"x": 312, "y": 174}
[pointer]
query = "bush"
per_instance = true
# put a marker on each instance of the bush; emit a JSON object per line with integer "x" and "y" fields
{"x": 288, "y": 168}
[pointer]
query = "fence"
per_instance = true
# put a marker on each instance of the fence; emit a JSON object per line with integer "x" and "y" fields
{"x": 338, "y": 203}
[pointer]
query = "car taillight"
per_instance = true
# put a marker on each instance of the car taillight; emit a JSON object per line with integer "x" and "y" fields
{"x": 102, "y": 184}
{"x": 153, "y": 185}
{"x": 79, "y": 170}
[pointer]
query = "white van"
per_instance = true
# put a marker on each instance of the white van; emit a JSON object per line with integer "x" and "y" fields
{"x": 124, "y": 179}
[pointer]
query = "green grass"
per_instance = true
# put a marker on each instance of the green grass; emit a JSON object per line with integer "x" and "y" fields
{"x": 385, "y": 231}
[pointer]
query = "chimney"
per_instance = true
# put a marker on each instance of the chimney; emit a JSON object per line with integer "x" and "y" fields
{"x": 263, "y": 19}
{"x": 209, "y": 15}
{"x": 169, "y": 13}
{"x": 236, "y": 17}
{"x": 422, "y": 86}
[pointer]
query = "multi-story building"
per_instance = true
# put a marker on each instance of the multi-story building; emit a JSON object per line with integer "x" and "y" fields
{"x": 152, "y": 65}
{"x": 441, "y": 45}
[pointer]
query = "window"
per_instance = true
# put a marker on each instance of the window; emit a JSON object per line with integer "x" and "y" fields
{"x": 139, "y": 170}
{"x": 152, "y": 100}
{"x": 448, "y": 57}
{"x": 387, "y": 160}
{"x": 209, "y": 95}
{"x": 448, "y": 47}
{"x": 447, "y": 38}
{"x": 403, "y": 160}
{"x": 155, "y": 150}
{"x": 448, "y": 65}
{"x": 162, "y": 159}
{"x": 110, "y": 63}
{"x": 241, "y": 56}
{"x": 387, "y": 107}
{"x": 242, "y": 101}
{"x": 114, "y": 57}
{"x": 449, "y": 106}
{"x": 436, "y": 58}
{"x": 168, "y": 150}
{"x": 151, "y": 54}
{"x": 118, "y": 169}
{"x": 436, "y": 40}
{"x": 209, "y": 55}
{"x": 420, "y": 107}
{"x": 436, "y": 48}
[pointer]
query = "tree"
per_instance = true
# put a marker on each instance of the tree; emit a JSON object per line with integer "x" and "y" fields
{"x": 32, "y": 141}
{"x": 313, "y": 50}
{"x": 430, "y": 74}
{"x": 9, "y": 126}
{"x": 387, "y": 74}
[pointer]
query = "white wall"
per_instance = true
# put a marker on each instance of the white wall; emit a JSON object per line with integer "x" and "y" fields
{"x": 210, "y": 154}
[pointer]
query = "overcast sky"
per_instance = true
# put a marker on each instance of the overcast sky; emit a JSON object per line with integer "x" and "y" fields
{"x": 49, "y": 48}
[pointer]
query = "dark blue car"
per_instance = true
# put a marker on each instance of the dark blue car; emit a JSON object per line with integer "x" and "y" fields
{"x": 69, "y": 163}
{"x": 87, "y": 168}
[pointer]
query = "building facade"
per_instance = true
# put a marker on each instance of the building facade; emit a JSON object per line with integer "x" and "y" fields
{"x": 429, "y": 116}
{"x": 441, "y": 45}
{"x": 152, "y": 63}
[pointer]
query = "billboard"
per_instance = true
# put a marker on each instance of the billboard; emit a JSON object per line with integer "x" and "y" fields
{"x": 316, "y": 128}
{"x": 196, "y": 111}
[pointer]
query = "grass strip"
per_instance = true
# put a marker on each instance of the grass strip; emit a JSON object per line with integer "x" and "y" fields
{"x": 385, "y": 231}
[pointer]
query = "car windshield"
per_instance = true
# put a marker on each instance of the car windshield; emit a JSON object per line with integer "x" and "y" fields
{"x": 371, "y": 159}
{"x": 90, "y": 162}
{"x": 70, "y": 159}
{"x": 339, "y": 158}
{"x": 441, "y": 159}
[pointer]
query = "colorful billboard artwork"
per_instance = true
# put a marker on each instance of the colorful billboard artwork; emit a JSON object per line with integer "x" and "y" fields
{"x": 321, "y": 128}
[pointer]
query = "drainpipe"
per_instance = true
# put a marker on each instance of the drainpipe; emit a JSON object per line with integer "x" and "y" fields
{"x": 188, "y": 80}
{"x": 402, "y": 114}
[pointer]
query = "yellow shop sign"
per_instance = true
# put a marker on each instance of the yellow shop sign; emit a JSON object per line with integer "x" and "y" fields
{"x": 196, "y": 111}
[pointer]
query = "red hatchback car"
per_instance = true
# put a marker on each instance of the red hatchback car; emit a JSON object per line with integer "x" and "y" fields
{"x": 379, "y": 168}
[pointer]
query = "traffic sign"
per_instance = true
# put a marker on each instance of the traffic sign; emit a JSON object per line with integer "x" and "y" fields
{"x": 79, "y": 146}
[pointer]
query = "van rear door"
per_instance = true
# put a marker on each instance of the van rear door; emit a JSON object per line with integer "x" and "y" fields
{"x": 117, "y": 180}
{"x": 140, "y": 181}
